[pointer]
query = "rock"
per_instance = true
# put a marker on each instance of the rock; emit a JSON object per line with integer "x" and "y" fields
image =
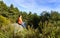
{"x": 17, "y": 28}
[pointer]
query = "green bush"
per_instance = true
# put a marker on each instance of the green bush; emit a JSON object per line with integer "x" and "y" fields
{"x": 30, "y": 33}
{"x": 3, "y": 21}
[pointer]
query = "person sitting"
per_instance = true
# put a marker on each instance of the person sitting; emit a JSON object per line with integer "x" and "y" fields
{"x": 20, "y": 21}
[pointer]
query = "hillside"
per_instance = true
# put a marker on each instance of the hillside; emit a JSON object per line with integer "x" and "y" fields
{"x": 45, "y": 25}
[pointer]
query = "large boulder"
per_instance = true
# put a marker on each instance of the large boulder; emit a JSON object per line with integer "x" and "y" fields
{"x": 17, "y": 27}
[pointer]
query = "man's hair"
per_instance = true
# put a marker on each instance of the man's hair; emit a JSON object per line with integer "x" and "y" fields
{"x": 17, "y": 18}
{"x": 19, "y": 15}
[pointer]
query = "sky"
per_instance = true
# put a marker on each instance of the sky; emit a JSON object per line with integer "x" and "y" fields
{"x": 35, "y": 6}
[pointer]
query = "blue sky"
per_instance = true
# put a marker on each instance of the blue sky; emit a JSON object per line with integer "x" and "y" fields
{"x": 35, "y": 6}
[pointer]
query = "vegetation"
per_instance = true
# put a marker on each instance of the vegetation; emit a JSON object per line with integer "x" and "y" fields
{"x": 45, "y": 25}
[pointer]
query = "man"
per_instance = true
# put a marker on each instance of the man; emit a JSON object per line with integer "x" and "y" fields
{"x": 20, "y": 22}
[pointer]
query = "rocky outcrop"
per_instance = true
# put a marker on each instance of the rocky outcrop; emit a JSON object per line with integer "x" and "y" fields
{"x": 17, "y": 27}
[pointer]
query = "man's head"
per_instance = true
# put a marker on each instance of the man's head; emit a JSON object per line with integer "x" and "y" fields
{"x": 20, "y": 15}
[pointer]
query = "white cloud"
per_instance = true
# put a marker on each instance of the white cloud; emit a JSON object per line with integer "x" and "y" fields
{"x": 25, "y": 4}
{"x": 35, "y": 5}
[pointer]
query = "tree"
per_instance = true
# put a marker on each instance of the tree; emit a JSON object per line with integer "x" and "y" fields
{"x": 35, "y": 20}
{"x": 3, "y": 21}
{"x": 45, "y": 17}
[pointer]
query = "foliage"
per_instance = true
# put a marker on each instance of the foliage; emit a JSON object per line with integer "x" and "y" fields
{"x": 45, "y": 25}
{"x": 3, "y": 21}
